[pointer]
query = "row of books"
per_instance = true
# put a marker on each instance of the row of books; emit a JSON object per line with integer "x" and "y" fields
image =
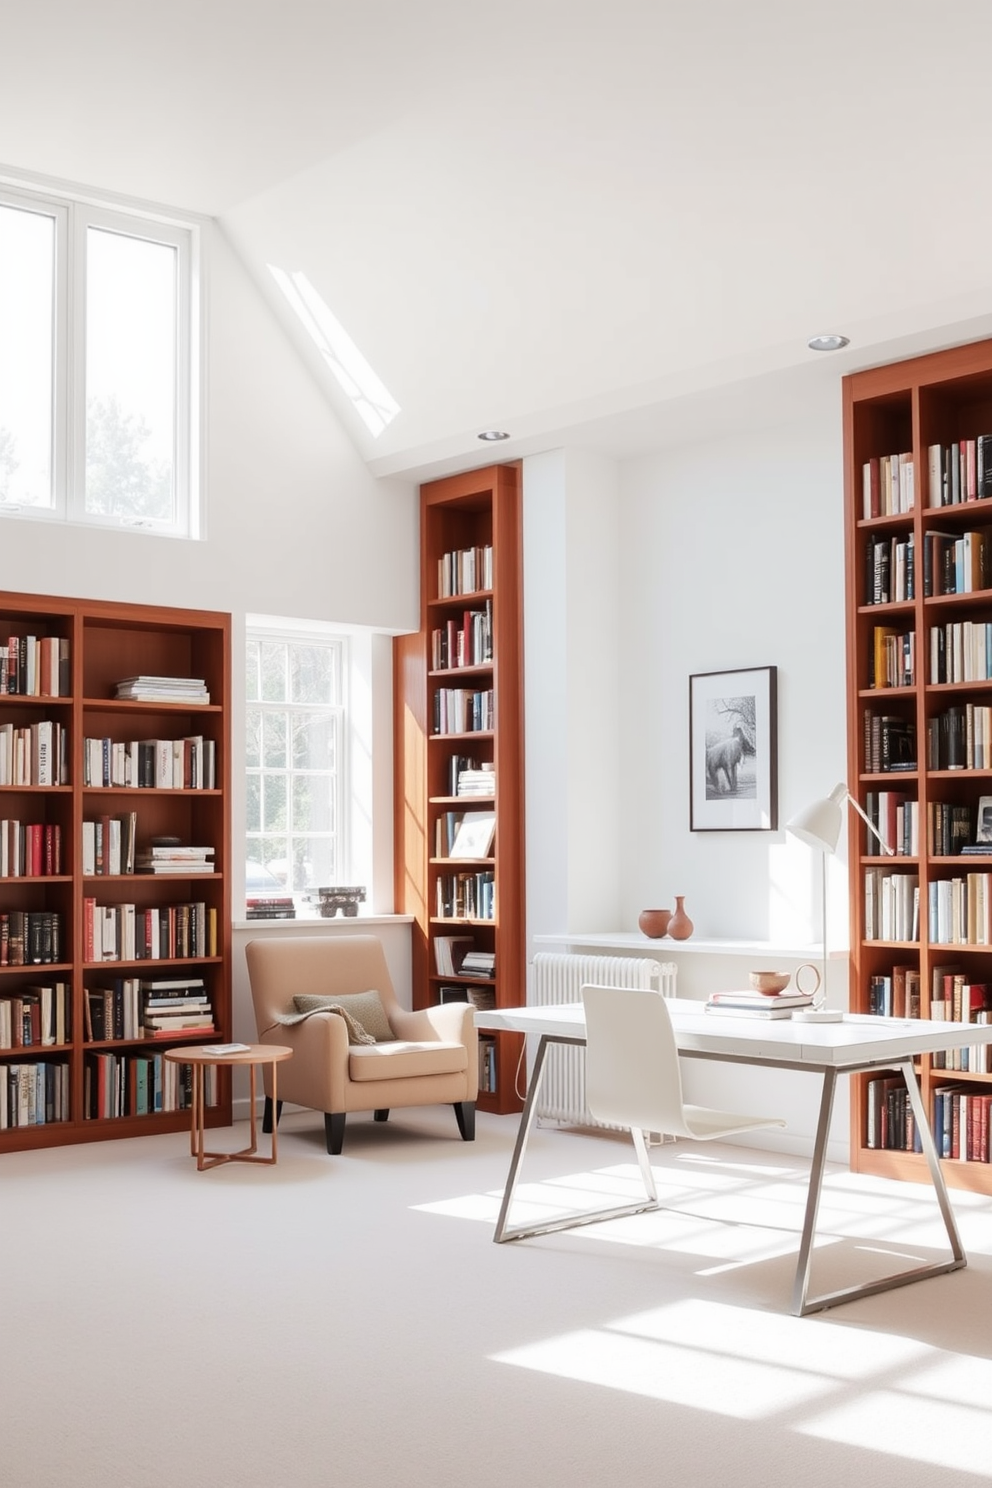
{"x": 960, "y": 910}
{"x": 132, "y": 1008}
{"x": 889, "y": 1121}
{"x": 893, "y": 657}
{"x": 189, "y": 763}
{"x": 888, "y": 485}
{"x": 35, "y": 1093}
{"x": 465, "y": 571}
{"x": 109, "y": 848}
{"x": 890, "y": 570}
{"x": 488, "y": 1082}
{"x": 463, "y": 710}
{"x": 145, "y": 689}
{"x": 30, "y": 849}
{"x": 960, "y": 471}
{"x": 889, "y": 742}
{"x": 957, "y": 562}
{"x": 895, "y": 994}
{"x": 949, "y": 829}
{"x": 483, "y": 998}
{"x": 891, "y": 905}
{"x": 31, "y": 937}
{"x": 34, "y": 754}
{"x": 961, "y": 651}
{"x": 36, "y": 1017}
{"x": 960, "y": 738}
{"x": 139, "y": 1084}
{"x": 35, "y": 666}
{"x": 960, "y": 1123}
{"x": 897, "y": 819}
{"x": 467, "y": 896}
{"x": 958, "y": 999}
{"x": 128, "y": 932}
{"x": 467, "y": 641}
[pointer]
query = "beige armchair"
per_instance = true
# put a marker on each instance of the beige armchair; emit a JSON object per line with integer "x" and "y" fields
{"x": 431, "y": 1059}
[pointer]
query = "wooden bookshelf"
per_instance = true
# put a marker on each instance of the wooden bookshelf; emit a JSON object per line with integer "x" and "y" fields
{"x": 105, "y": 643}
{"x": 459, "y": 697}
{"x": 919, "y": 710}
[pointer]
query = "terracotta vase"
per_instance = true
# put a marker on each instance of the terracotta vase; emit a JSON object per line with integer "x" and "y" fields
{"x": 680, "y": 925}
{"x": 654, "y": 922}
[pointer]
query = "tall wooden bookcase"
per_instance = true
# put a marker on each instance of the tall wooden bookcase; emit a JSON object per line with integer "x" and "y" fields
{"x": 459, "y": 718}
{"x": 920, "y": 733}
{"x": 104, "y": 643}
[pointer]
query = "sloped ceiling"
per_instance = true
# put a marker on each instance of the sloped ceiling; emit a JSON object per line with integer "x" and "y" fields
{"x": 606, "y": 224}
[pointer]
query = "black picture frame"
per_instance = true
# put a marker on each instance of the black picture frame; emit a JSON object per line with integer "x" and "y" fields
{"x": 733, "y": 750}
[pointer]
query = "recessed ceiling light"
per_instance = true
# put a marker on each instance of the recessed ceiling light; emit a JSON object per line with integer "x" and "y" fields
{"x": 493, "y": 434}
{"x": 829, "y": 342}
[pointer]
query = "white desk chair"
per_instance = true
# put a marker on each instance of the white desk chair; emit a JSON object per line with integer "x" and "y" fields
{"x": 634, "y": 1079}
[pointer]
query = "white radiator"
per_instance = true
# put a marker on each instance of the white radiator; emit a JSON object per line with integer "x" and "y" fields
{"x": 560, "y": 977}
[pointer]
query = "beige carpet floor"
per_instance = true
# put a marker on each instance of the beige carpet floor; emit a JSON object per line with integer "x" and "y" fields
{"x": 349, "y": 1321}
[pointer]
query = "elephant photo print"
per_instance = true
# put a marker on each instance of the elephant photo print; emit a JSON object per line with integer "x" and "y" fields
{"x": 732, "y": 750}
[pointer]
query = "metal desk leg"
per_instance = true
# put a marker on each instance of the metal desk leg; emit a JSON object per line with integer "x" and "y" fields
{"x": 571, "y": 1221}
{"x": 800, "y": 1304}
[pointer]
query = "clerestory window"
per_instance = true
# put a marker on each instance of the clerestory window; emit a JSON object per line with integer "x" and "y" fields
{"x": 99, "y": 364}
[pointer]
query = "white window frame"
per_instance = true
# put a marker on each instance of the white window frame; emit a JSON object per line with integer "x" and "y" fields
{"x": 259, "y": 628}
{"x": 73, "y": 216}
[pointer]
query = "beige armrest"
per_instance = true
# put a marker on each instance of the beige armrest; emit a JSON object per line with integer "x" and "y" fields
{"x": 452, "y": 1021}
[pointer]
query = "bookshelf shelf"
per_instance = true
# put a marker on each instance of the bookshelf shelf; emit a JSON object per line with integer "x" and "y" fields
{"x": 929, "y": 558}
{"x": 79, "y": 1089}
{"x": 475, "y": 514}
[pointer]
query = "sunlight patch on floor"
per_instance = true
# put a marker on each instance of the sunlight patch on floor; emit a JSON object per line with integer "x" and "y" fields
{"x": 719, "y": 1358}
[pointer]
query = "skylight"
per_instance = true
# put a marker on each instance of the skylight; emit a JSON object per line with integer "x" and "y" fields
{"x": 373, "y": 402}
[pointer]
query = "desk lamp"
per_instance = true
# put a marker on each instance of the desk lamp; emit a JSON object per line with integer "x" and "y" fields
{"x": 819, "y": 826}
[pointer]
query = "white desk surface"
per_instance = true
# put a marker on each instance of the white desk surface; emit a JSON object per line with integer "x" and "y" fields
{"x": 860, "y": 1039}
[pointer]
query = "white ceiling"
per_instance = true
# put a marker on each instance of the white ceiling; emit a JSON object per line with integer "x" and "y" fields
{"x": 604, "y": 223}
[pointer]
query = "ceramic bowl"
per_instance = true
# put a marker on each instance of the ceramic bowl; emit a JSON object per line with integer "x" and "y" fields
{"x": 654, "y": 922}
{"x": 769, "y": 982}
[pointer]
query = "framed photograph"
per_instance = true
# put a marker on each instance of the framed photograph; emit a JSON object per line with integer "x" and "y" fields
{"x": 983, "y": 832}
{"x": 733, "y": 784}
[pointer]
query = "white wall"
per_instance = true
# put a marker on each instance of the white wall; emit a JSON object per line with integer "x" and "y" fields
{"x": 572, "y": 701}
{"x": 730, "y": 555}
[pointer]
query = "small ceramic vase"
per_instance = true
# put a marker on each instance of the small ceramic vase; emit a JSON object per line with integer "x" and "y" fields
{"x": 654, "y": 922}
{"x": 680, "y": 925}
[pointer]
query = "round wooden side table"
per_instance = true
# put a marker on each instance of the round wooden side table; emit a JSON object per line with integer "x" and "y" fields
{"x": 199, "y": 1056}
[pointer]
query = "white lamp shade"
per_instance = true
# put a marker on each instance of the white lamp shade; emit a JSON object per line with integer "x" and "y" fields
{"x": 819, "y": 824}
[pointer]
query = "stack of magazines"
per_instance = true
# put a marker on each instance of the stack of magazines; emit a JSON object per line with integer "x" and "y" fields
{"x": 758, "y": 1004}
{"x": 164, "y": 689}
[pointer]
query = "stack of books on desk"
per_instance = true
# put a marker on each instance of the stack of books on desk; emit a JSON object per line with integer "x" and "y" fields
{"x": 757, "y": 1004}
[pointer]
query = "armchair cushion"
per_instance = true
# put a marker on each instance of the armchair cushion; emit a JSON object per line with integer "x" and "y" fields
{"x": 365, "y": 1008}
{"x": 403, "y": 1060}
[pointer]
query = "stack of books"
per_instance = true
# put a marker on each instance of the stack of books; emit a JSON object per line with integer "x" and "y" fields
{"x": 180, "y": 859}
{"x": 479, "y": 781}
{"x": 175, "y": 1005}
{"x": 758, "y": 1004}
{"x": 144, "y": 689}
{"x": 270, "y": 907}
{"x": 477, "y": 964}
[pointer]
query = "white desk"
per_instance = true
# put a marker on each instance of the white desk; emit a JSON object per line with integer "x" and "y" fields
{"x": 857, "y": 1044}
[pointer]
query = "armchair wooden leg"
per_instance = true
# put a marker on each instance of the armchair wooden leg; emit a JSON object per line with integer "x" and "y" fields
{"x": 267, "y": 1114}
{"x": 465, "y": 1116}
{"x": 334, "y": 1131}
{"x": 380, "y": 1115}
